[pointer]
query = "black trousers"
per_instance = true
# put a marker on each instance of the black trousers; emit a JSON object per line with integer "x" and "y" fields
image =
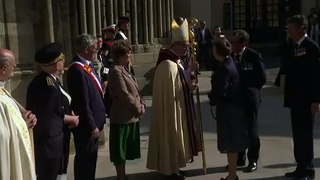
{"x": 86, "y": 156}
{"x": 47, "y": 168}
{"x": 254, "y": 140}
{"x": 302, "y": 122}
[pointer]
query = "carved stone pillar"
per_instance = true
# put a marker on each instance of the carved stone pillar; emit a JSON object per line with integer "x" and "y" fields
{"x": 74, "y": 20}
{"x": 155, "y": 18}
{"x": 103, "y": 14}
{"x": 134, "y": 22}
{"x": 115, "y": 11}
{"x": 145, "y": 21}
{"x": 109, "y": 12}
{"x": 121, "y": 7}
{"x": 150, "y": 21}
{"x": 159, "y": 17}
{"x": 98, "y": 16}
{"x": 164, "y": 19}
{"x": 83, "y": 17}
{"x": 47, "y": 20}
{"x": 168, "y": 20}
{"x": 91, "y": 18}
{"x": 127, "y": 7}
{"x": 171, "y": 9}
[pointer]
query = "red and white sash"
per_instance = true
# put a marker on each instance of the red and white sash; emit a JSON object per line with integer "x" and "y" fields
{"x": 89, "y": 70}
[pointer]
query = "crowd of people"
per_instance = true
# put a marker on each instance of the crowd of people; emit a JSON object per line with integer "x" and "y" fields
{"x": 101, "y": 83}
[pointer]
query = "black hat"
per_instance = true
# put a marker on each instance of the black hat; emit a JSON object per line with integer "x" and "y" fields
{"x": 123, "y": 19}
{"x": 49, "y": 54}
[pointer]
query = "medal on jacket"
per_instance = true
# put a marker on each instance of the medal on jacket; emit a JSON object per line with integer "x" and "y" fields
{"x": 89, "y": 71}
{"x": 300, "y": 52}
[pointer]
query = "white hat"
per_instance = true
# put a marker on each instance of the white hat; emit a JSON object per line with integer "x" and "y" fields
{"x": 180, "y": 33}
{"x": 110, "y": 28}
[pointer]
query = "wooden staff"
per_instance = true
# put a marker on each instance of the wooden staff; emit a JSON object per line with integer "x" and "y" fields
{"x": 192, "y": 22}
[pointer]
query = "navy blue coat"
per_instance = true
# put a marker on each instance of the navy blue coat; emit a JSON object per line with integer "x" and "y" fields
{"x": 225, "y": 83}
{"x": 302, "y": 70}
{"x": 87, "y": 100}
{"x": 44, "y": 99}
{"x": 226, "y": 94}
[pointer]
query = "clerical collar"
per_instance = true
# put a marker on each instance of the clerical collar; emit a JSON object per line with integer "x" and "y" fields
{"x": 301, "y": 39}
{"x": 83, "y": 59}
{"x": 2, "y": 84}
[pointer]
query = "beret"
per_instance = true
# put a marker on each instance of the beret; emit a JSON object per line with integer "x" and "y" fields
{"x": 49, "y": 54}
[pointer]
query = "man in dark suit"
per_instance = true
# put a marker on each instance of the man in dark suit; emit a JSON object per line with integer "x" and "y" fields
{"x": 86, "y": 92}
{"x": 44, "y": 99}
{"x": 252, "y": 77}
{"x": 204, "y": 39}
{"x": 302, "y": 94}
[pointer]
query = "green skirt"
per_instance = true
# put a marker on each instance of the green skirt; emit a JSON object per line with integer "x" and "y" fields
{"x": 124, "y": 142}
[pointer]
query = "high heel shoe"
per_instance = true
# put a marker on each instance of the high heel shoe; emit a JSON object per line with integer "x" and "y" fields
{"x": 226, "y": 178}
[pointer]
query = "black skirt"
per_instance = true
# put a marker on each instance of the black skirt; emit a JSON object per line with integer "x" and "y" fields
{"x": 231, "y": 127}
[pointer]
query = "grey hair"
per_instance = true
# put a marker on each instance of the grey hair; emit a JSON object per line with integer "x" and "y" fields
{"x": 4, "y": 61}
{"x": 83, "y": 41}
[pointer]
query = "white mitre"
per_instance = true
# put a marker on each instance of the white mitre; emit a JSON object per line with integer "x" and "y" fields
{"x": 180, "y": 33}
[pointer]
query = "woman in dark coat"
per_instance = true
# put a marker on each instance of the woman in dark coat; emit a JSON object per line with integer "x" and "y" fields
{"x": 225, "y": 95}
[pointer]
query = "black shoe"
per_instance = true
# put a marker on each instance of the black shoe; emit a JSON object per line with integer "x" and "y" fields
{"x": 251, "y": 167}
{"x": 225, "y": 178}
{"x": 239, "y": 164}
{"x": 306, "y": 174}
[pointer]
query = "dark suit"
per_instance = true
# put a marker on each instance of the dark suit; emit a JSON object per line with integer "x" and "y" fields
{"x": 44, "y": 99}
{"x": 252, "y": 78}
{"x": 302, "y": 87}
{"x": 87, "y": 103}
{"x": 204, "y": 50}
{"x": 226, "y": 94}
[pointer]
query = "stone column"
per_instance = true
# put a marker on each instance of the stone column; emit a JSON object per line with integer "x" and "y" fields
{"x": 134, "y": 22}
{"x": 74, "y": 20}
{"x": 91, "y": 18}
{"x": 98, "y": 16}
{"x": 159, "y": 17}
{"x": 3, "y": 33}
{"x": 83, "y": 16}
{"x": 150, "y": 21}
{"x": 164, "y": 19}
{"x": 171, "y": 9}
{"x": 11, "y": 40}
{"x": 121, "y": 7}
{"x": 109, "y": 12}
{"x": 103, "y": 13}
{"x": 155, "y": 18}
{"x": 127, "y": 7}
{"x": 47, "y": 20}
{"x": 115, "y": 11}
{"x": 145, "y": 21}
{"x": 168, "y": 21}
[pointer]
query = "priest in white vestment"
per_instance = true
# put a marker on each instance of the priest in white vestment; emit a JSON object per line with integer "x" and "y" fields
{"x": 16, "y": 152}
{"x": 171, "y": 141}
